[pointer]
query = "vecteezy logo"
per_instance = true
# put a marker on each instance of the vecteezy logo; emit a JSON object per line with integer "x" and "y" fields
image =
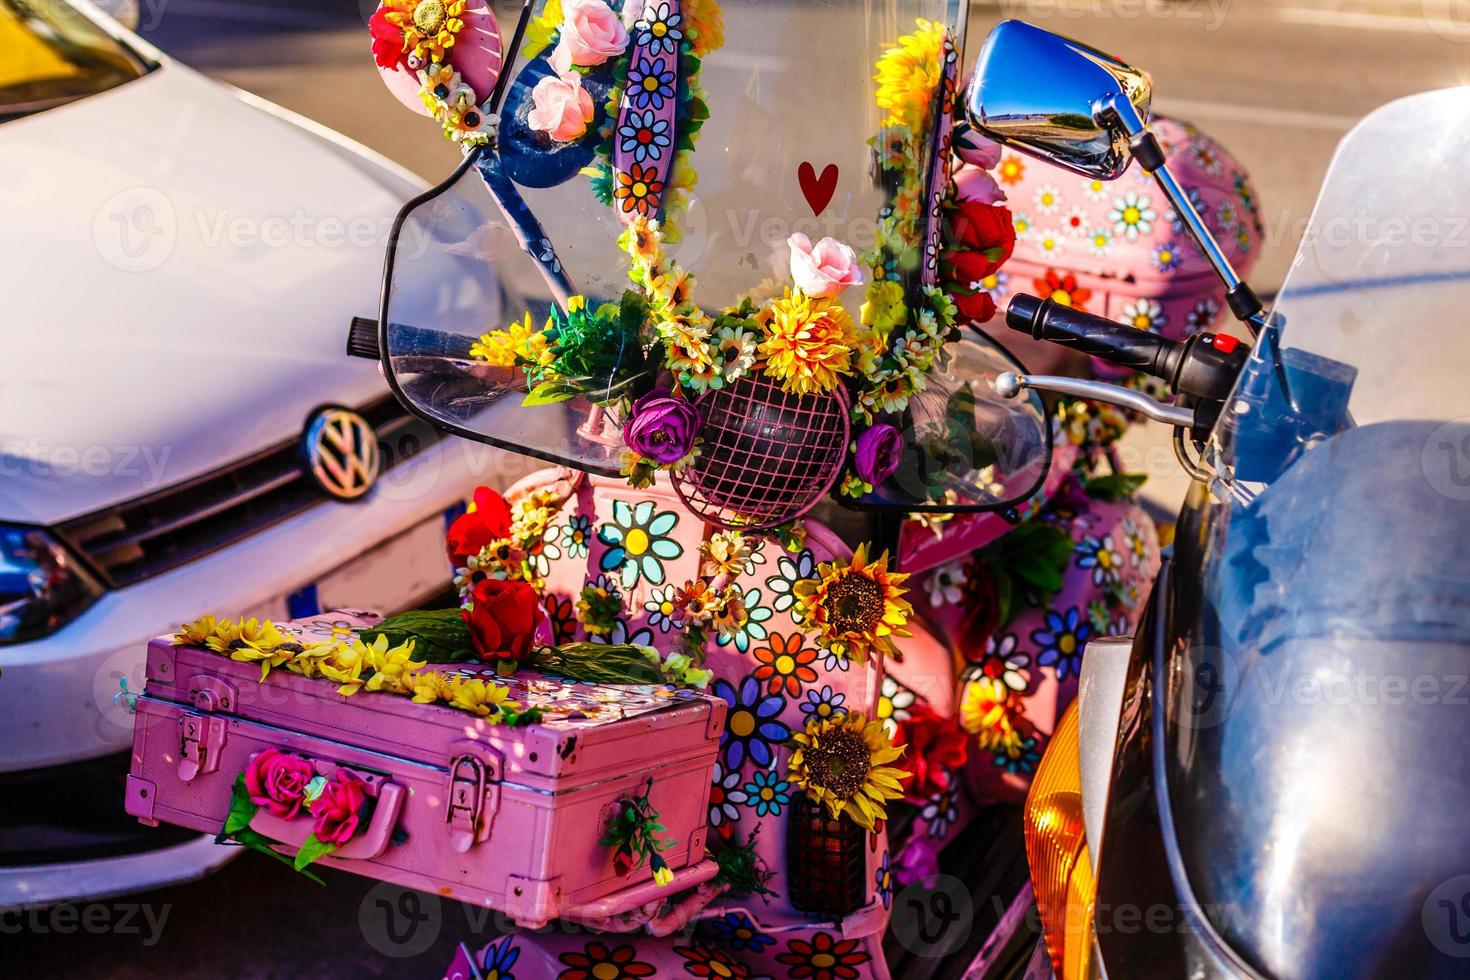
{"x": 135, "y": 230}
{"x": 399, "y": 922}
{"x": 342, "y": 453}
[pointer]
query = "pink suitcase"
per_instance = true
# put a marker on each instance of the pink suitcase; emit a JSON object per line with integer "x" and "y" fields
{"x": 508, "y": 818}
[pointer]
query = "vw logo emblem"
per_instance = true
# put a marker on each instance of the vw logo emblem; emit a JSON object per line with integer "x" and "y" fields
{"x": 342, "y": 453}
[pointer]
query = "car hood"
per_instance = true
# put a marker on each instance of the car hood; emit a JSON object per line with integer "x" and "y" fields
{"x": 181, "y": 270}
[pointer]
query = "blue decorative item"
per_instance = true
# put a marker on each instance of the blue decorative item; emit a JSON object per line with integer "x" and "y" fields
{"x": 533, "y": 159}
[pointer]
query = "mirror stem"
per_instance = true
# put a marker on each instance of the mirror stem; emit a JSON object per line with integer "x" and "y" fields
{"x": 1118, "y": 111}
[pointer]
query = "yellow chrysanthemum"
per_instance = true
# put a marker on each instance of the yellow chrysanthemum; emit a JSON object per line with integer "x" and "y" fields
{"x": 343, "y": 665}
{"x": 988, "y": 710}
{"x": 393, "y": 668}
{"x": 908, "y": 73}
{"x": 479, "y": 697}
{"x": 841, "y": 763}
{"x": 809, "y": 343}
{"x": 727, "y": 553}
{"x": 500, "y": 348}
{"x": 429, "y": 686}
{"x": 854, "y": 608}
{"x": 429, "y": 26}
{"x": 705, "y": 24}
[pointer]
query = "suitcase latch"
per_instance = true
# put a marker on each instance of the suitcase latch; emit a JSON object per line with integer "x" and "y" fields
{"x": 474, "y": 796}
{"x": 200, "y": 741}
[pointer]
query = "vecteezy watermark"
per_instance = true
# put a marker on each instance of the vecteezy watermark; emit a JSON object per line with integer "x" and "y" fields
{"x": 934, "y": 916}
{"x": 1446, "y": 460}
{"x": 1445, "y": 916}
{"x": 136, "y": 230}
{"x": 399, "y": 922}
{"x": 35, "y": 458}
{"x": 142, "y": 919}
{"x": 1210, "y": 13}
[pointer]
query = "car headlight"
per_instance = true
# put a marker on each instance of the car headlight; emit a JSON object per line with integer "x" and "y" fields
{"x": 1056, "y": 850}
{"x": 42, "y": 587}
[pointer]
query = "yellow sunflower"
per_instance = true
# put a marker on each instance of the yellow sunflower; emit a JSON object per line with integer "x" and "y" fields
{"x": 856, "y": 607}
{"x": 393, "y": 667}
{"x": 841, "y": 763}
{"x": 988, "y": 710}
{"x": 809, "y": 343}
{"x": 908, "y": 74}
{"x": 499, "y": 348}
{"x": 197, "y": 633}
{"x": 429, "y": 686}
{"x": 479, "y": 697}
{"x": 429, "y": 26}
{"x": 231, "y": 637}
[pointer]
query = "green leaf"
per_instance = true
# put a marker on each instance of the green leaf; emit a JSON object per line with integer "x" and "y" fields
{"x": 311, "y": 850}
{"x": 259, "y": 842}
{"x": 242, "y": 809}
{"x": 549, "y": 393}
{"x": 440, "y": 635}
{"x": 1114, "y": 487}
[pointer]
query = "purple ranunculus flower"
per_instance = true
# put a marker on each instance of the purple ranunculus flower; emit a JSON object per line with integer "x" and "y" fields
{"x": 662, "y": 427}
{"x": 879, "y": 449}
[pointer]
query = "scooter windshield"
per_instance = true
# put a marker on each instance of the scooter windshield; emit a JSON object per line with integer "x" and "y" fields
{"x": 654, "y": 214}
{"x": 1333, "y": 630}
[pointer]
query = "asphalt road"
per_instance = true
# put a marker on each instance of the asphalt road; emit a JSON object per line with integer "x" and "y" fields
{"x": 1277, "y": 82}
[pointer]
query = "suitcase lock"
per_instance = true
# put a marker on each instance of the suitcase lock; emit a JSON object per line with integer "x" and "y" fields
{"x": 474, "y": 796}
{"x": 200, "y": 739}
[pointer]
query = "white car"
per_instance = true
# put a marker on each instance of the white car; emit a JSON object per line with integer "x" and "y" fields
{"x": 180, "y": 428}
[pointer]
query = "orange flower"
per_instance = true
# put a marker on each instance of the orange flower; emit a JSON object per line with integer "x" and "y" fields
{"x": 1011, "y": 170}
{"x": 639, "y": 189}
{"x": 785, "y": 664}
{"x": 1063, "y": 289}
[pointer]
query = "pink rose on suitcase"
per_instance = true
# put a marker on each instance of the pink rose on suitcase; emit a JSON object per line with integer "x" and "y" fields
{"x": 277, "y": 781}
{"x": 339, "y": 808}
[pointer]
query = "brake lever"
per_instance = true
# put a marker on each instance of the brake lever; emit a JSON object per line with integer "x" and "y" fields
{"x": 1010, "y": 385}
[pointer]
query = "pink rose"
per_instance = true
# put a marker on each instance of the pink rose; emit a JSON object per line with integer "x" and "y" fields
{"x": 560, "y": 107}
{"x": 825, "y": 269}
{"x": 977, "y": 150}
{"x": 591, "y": 33}
{"x": 277, "y": 781}
{"x": 339, "y": 808}
{"x": 974, "y": 184}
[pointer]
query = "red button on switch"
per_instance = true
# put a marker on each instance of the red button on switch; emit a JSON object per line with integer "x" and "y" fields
{"x": 1226, "y": 344}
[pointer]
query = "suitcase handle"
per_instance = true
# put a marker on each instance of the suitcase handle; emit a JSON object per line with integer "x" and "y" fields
{"x": 367, "y": 845}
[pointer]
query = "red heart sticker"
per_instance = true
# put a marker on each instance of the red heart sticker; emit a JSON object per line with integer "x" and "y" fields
{"x": 818, "y": 191}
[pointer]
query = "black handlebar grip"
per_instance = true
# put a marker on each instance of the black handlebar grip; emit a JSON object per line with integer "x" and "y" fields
{"x": 1046, "y": 319}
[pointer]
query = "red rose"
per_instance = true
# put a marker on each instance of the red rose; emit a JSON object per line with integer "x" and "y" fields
{"x": 487, "y": 519}
{"x": 936, "y": 749}
{"x": 339, "y": 809}
{"x": 965, "y": 266}
{"x": 387, "y": 41}
{"x": 977, "y": 306}
{"x": 277, "y": 781}
{"x": 502, "y": 617}
{"x": 987, "y": 228}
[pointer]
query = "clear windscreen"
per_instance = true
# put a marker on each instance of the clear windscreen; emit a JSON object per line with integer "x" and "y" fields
{"x": 823, "y": 120}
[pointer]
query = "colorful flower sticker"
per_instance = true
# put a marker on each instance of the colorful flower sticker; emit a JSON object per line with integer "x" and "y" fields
{"x": 767, "y": 793}
{"x": 883, "y": 879}
{"x": 1132, "y": 215}
{"x": 941, "y": 812}
{"x": 662, "y": 614}
{"x": 638, "y": 542}
{"x": 743, "y": 630}
{"x": 644, "y": 135}
{"x": 725, "y": 797}
{"x": 575, "y": 535}
{"x": 824, "y": 958}
{"x": 784, "y": 663}
{"x": 650, "y": 83}
{"x": 599, "y": 962}
{"x": 752, "y": 725}
{"x": 499, "y": 959}
{"x": 790, "y": 570}
{"x": 1003, "y": 662}
{"x": 1061, "y": 642}
{"x": 739, "y": 933}
{"x": 710, "y": 961}
{"x": 665, "y": 29}
{"x": 894, "y": 702}
{"x": 562, "y": 616}
{"x": 823, "y": 704}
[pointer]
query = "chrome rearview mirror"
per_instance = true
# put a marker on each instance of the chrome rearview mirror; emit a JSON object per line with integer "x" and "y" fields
{"x": 1057, "y": 99}
{"x": 1071, "y": 105}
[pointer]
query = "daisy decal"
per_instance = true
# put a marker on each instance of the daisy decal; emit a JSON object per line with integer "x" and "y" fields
{"x": 1202, "y": 314}
{"x": 1096, "y": 190}
{"x": 1011, "y": 170}
{"x": 735, "y": 930}
{"x": 752, "y": 728}
{"x": 831, "y": 660}
{"x": 1135, "y": 544}
{"x": 575, "y": 535}
{"x": 598, "y": 961}
{"x": 707, "y": 961}
{"x": 638, "y": 542}
{"x": 639, "y": 189}
{"x": 1077, "y": 222}
{"x": 644, "y": 135}
{"x": 1050, "y": 243}
{"x": 725, "y": 797}
{"x": 741, "y": 619}
{"x": 1099, "y": 555}
{"x": 785, "y": 664}
{"x": 1061, "y": 642}
{"x": 1063, "y": 289}
{"x": 499, "y": 959}
{"x": 1021, "y": 759}
{"x": 1022, "y": 224}
{"x": 1144, "y": 314}
{"x": 1001, "y": 661}
{"x": 843, "y": 764}
{"x": 663, "y": 29}
{"x": 662, "y": 614}
{"x": 996, "y": 284}
{"x": 946, "y": 586}
{"x": 1207, "y": 155}
{"x": 1176, "y": 220}
{"x": 1242, "y": 239}
{"x": 767, "y": 793}
{"x": 883, "y": 879}
{"x": 941, "y": 812}
{"x": 1099, "y": 241}
{"x": 650, "y": 83}
{"x": 1047, "y": 198}
{"x": 823, "y": 704}
{"x": 894, "y": 702}
{"x": 1132, "y": 215}
{"x": 1166, "y": 256}
{"x": 824, "y": 958}
{"x": 562, "y": 616}
{"x": 622, "y": 633}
